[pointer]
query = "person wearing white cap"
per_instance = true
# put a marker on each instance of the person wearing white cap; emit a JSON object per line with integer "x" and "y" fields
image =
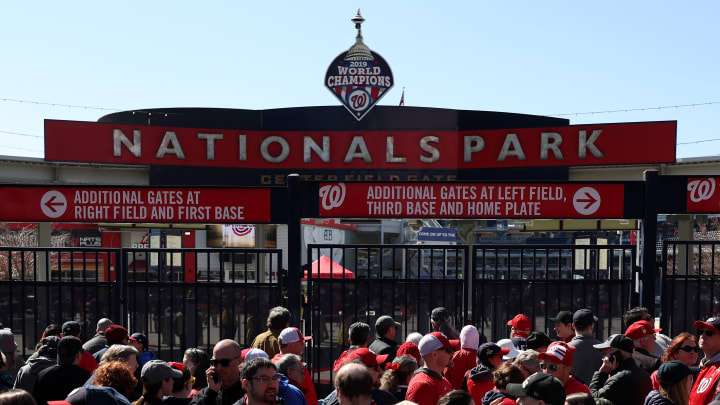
{"x": 508, "y": 344}
{"x": 292, "y": 341}
{"x": 464, "y": 359}
{"x": 428, "y": 385}
{"x": 157, "y": 377}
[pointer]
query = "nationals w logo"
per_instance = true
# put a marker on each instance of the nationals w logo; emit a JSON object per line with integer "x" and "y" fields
{"x": 332, "y": 196}
{"x": 359, "y": 78}
{"x": 701, "y": 190}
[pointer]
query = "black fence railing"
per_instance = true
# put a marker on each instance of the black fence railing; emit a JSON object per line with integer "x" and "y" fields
{"x": 359, "y": 283}
{"x": 41, "y": 286}
{"x": 690, "y": 283}
{"x": 179, "y": 298}
{"x": 541, "y": 280}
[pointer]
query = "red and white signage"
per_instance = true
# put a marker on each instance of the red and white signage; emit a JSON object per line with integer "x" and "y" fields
{"x": 471, "y": 200}
{"x": 703, "y": 194}
{"x": 153, "y": 205}
{"x": 577, "y": 145}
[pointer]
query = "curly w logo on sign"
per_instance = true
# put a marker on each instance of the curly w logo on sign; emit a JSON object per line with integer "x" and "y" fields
{"x": 359, "y": 78}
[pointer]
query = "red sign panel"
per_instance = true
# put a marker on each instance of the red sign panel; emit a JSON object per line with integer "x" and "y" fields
{"x": 471, "y": 200}
{"x": 703, "y": 194}
{"x": 134, "y": 205}
{"x": 578, "y": 145}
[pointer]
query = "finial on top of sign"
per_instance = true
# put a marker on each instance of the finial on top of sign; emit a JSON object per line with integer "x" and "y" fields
{"x": 358, "y": 19}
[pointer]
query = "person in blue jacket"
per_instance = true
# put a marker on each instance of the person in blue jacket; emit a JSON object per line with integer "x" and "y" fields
{"x": 140, "y": 342}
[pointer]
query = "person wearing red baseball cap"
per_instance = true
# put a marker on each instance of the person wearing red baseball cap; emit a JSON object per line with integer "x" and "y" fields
{"x": 520, "y": 327}
{"x": 642, "y": 334}
{"x": 557, "y": 361}
{"x": 428, "y": 385}
{"x": 292, "y": 341}
{"x": 706, "y": 383}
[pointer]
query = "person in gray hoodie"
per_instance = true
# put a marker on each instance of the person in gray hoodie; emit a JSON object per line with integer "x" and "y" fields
{"x": 46, "y": 357}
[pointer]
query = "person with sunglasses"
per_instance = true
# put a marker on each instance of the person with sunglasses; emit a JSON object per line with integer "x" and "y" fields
{"x": 557, "y": 361}
{"x": 705, "y": 388}
{"x": 684, "y": 348}
{"x": 428, "y": 385}
{"x": 223, "y": 376}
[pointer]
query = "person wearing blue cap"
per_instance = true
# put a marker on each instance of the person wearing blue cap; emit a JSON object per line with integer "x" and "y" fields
{"x": 676, "y": 380}
{"x": 587, "y": 359}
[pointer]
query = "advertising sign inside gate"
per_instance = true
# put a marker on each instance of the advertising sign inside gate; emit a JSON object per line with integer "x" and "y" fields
{"x": 471, "y": 200}
{"x": 133, "y": 205}
{"x": 703, "y": 194}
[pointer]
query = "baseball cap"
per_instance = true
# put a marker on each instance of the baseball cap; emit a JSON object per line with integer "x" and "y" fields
{"x": 71, "y": 328}
{"x": 558, "y": 352}
{"x": 469, "y": 337}
{"x": 440, "y": 314}
{"x": 367, "y": 357}
{"x": 384, "y": 323}
{"x": 520, "y": 322}
{"x": 563, "y": 316}
{"x": 156, "y": 371}
{"x": 640, "y": 329}
{"x": 490, "y": 349}
{"x": 69, "y": 346}
{"x": 584, "y": 317}
{"x": 537, "y": 340}
{"x": 291, "y": 335}
{"x": 712, "y": 324}
{"x": 414, "y": 337}
{"x": 115, "y": 334}
{"x": 409, "y": 349}
{"x": 510, "y": 346}
{"x": 617, "y": 341}
{"x": 253, "y": 353}
{"x": 139, "y": 337}
{"x": 675, "y": 371}
{"x": 540, "y": 386}
{"x": 7, "y": 341}
{"x": 433, "y": 341}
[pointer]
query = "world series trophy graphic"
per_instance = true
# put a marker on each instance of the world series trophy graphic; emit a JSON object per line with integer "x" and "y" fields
{"x": 359, "y": 77}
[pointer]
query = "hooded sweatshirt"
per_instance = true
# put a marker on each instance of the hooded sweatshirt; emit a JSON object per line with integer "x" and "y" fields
{"x": 479, "y": 381}
{"x": 27, "y": 375}
{"x": 656, "y": 398}
{"x": 492, "y": 395}
{"x": 95, "y": 395}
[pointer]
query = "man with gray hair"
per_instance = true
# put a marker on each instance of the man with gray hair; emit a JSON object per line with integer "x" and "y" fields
{"x": 98, "y": 342}
{"x": 354, "y": 385}
{"x": 292, "y": 366}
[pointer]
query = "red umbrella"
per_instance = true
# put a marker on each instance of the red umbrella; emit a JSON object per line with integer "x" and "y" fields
{"x": 326, "y": 268}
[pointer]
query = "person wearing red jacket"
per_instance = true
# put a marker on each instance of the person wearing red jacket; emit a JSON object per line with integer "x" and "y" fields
{"x": 464, "y": 359}
{"x": 291, "y": 340}
{"x": 557, "y": 361}
{"x": 479, "y": 380}
{"x": 428, "y": 385}
{"x": 705, "y": 389}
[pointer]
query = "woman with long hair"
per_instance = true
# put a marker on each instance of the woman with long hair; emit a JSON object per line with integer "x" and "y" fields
{"x": 676, "y": 380}
{"x": 397, "y": 375}
{"x": 684, "y": 347}
{"x": 197, "y": 361}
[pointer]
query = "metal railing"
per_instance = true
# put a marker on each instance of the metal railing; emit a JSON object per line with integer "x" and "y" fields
{"x": 690, "y": 283}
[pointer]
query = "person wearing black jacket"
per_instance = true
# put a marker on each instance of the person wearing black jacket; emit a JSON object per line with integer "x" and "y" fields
{"x": 55, "y": 382}
{"x": 619, "y": 379}
{"x": 385, "y": 327}
{"x": 224, "y": 384}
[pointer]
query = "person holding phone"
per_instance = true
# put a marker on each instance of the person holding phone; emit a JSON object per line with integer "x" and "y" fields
{"x": 619, "y": 379}
{"x": 223, "y": 376}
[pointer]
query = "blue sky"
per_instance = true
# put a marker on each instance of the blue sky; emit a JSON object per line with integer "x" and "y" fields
{"x": 530, "y": 57}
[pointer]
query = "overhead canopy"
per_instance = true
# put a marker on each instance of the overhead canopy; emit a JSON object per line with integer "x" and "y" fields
{"x": 326, "y": 268}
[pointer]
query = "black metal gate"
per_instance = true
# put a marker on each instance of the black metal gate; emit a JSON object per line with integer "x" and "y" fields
{"x": 179, "y": 298}
{"x": 540, "y": 280}
{"x": 690, "y": 283}
{"x": 368, "y": 281}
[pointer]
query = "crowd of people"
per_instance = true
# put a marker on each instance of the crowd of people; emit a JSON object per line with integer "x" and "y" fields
{"x": 442, "y": 367}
